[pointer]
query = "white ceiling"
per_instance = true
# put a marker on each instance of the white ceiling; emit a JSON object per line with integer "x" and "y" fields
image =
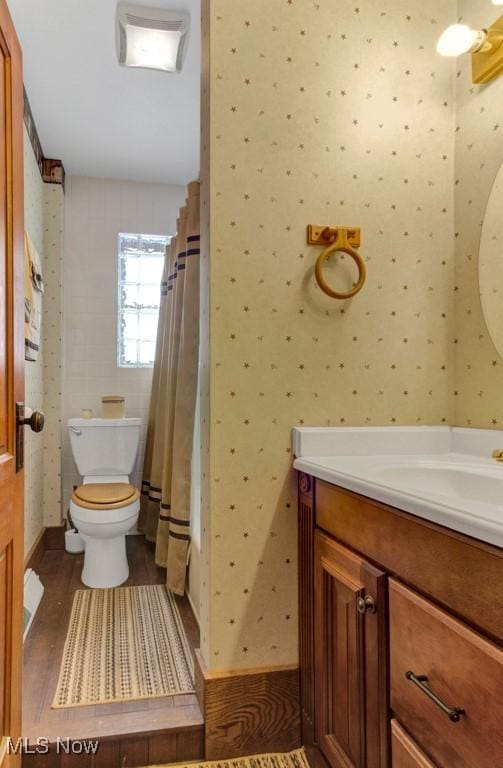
{"x": 99, "y": 118}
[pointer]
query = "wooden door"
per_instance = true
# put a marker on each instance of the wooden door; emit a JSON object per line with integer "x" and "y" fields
{"x": 11, "y": 384}
{"x": 350, "y": 658}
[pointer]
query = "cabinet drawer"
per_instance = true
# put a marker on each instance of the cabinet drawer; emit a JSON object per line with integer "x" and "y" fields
{"x": 460, "y": 668}
{"x": 404, "y": 752}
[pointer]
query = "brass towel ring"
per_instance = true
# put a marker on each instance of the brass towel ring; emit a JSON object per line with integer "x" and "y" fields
{"x": 339, "y": 239}
{"x": 362, "y": 271}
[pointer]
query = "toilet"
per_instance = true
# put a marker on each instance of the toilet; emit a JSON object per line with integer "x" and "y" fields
{"x": 106, "y": 506}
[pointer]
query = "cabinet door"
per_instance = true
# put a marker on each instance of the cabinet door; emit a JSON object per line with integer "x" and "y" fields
{"x": 351, "y": 701}
{"x": 405, "y": 752}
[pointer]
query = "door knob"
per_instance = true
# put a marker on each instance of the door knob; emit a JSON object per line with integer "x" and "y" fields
{"x": 366, "y": 604}
{"x": 35, "y": 421}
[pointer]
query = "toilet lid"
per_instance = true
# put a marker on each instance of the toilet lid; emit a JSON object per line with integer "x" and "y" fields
{"x": 105, "y": 493}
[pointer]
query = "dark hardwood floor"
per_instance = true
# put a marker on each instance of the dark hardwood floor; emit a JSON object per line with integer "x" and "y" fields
{"x": 133, "y": 733}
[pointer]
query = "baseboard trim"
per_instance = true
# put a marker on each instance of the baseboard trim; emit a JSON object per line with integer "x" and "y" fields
{"x": 218, "y": 674}
{"x": 48, "y": 538}
{"x": 34, "y": 556}
{"x": 248, "y": 712}
{"x": 315, "y": 756}
{"x": 191, "y": 603}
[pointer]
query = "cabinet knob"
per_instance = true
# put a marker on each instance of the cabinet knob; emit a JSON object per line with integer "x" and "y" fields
{"x": 366, "y": 604}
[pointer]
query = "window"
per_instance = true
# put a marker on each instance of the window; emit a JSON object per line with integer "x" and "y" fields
{"x": 141, "y": 261}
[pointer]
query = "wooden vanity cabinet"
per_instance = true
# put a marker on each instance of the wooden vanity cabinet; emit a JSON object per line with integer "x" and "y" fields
{"x": 380, "y": 592}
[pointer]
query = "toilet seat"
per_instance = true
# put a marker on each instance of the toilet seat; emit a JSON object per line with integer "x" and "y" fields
{"x": 105, "y": 495}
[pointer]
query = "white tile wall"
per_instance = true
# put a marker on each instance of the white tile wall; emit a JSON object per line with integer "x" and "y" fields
{"x": 96, "y": 210}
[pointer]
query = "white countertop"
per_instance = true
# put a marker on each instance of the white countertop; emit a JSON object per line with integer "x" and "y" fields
{"x": 441, "y": 474}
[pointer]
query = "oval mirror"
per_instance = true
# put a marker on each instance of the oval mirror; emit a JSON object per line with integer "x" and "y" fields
{"x": 491, "y": 263}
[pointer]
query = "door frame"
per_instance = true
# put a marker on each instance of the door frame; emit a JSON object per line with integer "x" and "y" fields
{"x": 12, "y": 482}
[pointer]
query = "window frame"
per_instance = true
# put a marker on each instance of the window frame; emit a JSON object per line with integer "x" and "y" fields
{"x": 122, "y": 309}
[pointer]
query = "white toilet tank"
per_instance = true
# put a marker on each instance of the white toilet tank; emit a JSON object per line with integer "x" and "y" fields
{"x": 104, "y": 447}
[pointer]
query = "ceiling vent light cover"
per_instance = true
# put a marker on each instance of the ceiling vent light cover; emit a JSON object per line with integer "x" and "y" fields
{"x": 151, "y": 38}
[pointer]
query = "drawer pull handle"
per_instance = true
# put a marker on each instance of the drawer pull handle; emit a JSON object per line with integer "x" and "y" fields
{"x": 453, "y": 713}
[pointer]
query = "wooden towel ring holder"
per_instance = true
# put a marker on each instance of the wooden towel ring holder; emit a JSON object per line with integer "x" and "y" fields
{"x": 339, "y": 239}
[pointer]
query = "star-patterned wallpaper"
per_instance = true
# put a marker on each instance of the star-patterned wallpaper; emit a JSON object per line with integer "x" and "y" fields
{"x": 478, "y": 392}
{"x": 34, "y": 370}
{"x": 53, "y": 328}
{"x": 44, "y": 221}
{"x": 330, "y": 112}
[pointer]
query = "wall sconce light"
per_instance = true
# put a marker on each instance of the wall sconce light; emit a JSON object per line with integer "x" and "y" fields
{"x": 484, "y": 45}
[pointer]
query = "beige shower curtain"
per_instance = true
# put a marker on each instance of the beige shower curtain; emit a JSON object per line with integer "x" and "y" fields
{"x": 165, "y": 503}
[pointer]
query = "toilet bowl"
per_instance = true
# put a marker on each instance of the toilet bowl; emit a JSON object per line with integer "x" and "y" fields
{"x": 103, "y": 513}
{"x": 106, "y": 506}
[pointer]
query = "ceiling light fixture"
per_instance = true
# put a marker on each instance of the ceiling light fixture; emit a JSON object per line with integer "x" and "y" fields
{"x": 151, "y": 38}
{"x": 484, "y": 45}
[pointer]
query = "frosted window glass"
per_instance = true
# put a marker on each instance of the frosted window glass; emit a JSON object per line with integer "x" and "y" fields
{"x": 141, "y": 264}
{"x": 151, "y": 269}
{"x": 147, "y": 353}
{"x": 131, "y": 269}
{"x": 149, "y": 295}
{"x": 130, "y": 352}
{"x": 130, "y": 297}
{"x": 148, "y": 326}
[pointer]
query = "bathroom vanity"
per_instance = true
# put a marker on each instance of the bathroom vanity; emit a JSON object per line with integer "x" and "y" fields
{"x": 401, "y": 610}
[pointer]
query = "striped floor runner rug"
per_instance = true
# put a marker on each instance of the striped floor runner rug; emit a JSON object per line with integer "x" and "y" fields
{"x": 124, "y": 644}
{"x": 297, "y": 759}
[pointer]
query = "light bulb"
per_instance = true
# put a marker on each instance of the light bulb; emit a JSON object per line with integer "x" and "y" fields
{"x": 152, "y": 48}
{"x": 460, "y": 38}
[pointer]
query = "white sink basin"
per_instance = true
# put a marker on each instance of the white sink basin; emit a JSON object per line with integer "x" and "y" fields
{"x": 440, "y": 474}
{"x": 444, "y": 478}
